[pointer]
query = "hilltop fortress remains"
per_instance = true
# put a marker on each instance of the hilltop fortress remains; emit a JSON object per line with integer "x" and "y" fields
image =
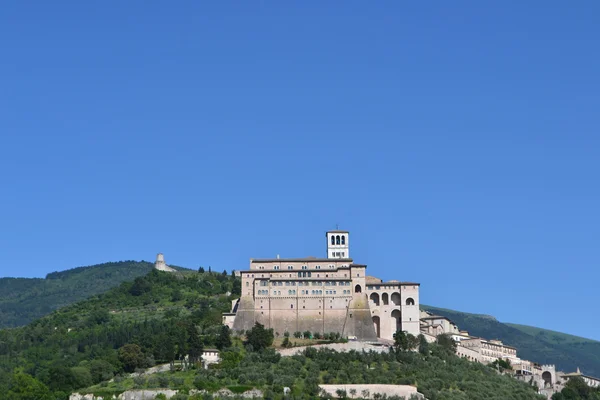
{"x": 331, "y": 294}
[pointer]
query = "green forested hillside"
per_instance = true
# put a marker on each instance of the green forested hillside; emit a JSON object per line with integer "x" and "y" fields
{"x": 161, "y": 317}
{"x": 157, "y": 317}
{"x": 567, "y": 352}
{"x": 22, "y": 299}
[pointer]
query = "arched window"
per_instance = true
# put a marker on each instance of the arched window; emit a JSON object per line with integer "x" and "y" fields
{"x": 410, "y": 302}
{"x": 396, "y": 298}
{"x": 337, "y": 239}
{"x": 309, "y": 274}
{"x": 376, "y": 325}
{"x": 397, "y": 316}
{"x": 357, "y": 289}
{"x": 332, "y": 239}
{"x": 343, "y": 239}
{"x": 385, "y": 299}
{"x": 291, "y": 306}
{"x": 374, "y": 298}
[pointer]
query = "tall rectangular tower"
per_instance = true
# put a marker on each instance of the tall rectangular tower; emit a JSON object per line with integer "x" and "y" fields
{"x": 338, "y": 244}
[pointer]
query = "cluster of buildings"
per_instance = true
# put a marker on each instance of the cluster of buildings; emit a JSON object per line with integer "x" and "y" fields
{"x": 476, "y": 349}
{"x": 334, "y": 294}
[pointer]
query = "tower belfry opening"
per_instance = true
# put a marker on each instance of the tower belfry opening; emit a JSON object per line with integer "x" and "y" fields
{"x": 338, "y": 244}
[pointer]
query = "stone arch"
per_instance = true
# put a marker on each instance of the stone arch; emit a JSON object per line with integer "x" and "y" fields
{"x": 375, "y": 298}
{"x": 396, "y": 298}
{"x": 357, "y": 289}
{"x": 410, "y": 301}
{"x": 377, "y": 325}
{"x": 397, "y": 316}
{"x": 385, "y": 299}
{"x": 547, "y": 378}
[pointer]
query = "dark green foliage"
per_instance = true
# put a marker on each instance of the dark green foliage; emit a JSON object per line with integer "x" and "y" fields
{"x": 577, "y": 389}
{"x": 439, "y": 377}
{"x": 423, "y": 345}
{"x": 447, "y": 343}
{"x": 567, "y": 352}
{"x": 25, "y": 387}
{"x": 131, "y": 357}
{"x": 259, "y": 338}
{"x": 405, "y": 341}
{"x": 501, "y": 365}
{"x": 194, "y": 344}
{"x": 94, "y": 340}
{"x": 23, "y": 300}
{"x": 224, "y": 339}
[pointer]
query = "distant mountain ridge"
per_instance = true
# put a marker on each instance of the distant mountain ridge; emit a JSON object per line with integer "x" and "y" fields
{"x": 23, "y": 300}
{"x": 543, "y": 346}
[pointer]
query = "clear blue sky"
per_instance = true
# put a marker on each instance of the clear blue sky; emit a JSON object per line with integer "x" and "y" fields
{"x": 457, "y": 141}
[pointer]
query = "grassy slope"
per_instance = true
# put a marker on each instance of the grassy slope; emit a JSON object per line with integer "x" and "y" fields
{"x": 535, "y": 344}
{"x": 23, "y": 300}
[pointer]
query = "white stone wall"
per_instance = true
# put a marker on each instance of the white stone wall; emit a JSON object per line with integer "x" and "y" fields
{"x": 402, "y": 391}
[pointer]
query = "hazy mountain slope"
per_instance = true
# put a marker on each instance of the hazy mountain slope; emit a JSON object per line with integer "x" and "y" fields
{"x": 551, "y": 336}
{"x": 22, "y": 300}
{"x": 543, "y": 348}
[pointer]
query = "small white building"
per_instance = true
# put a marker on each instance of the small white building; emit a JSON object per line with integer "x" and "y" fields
{"x": 210, "y": 356}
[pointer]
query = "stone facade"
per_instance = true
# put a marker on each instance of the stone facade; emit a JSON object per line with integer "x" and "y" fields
{"x": 324, "y": 295}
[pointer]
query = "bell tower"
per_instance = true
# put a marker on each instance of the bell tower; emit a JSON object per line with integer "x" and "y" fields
{"x": 338, "y": 244}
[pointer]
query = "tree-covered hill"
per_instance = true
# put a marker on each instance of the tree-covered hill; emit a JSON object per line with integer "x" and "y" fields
{"x": 156, "y": 318}
{"x": 23, "y": 300}
{"x": 161, "y": 317}
{"x": 567, "y": 352}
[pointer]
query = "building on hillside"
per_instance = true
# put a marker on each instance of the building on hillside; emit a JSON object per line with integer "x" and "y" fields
{"x": 331, "y": 294}
{"x": 161, "y": 265}
{"x": 491, "y": 350}
{"x": 210, "y": 356}
{"x": 589, "y": 380}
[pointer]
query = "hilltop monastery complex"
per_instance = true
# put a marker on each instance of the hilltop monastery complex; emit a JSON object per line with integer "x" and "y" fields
{"x": 334, "y": 294}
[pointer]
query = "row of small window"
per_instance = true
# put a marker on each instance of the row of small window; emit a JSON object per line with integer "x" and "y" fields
{"x": 369, "y": 287}
{"x": 337, "y": 254}
{"x": 290, "y": 267}
{"x": 293, "y": 292}
{"x": 293, "y": 283}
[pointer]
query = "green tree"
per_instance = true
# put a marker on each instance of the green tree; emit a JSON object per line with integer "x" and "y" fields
{"x": 195, "y": 345}
{"x": 405, "y": 341}
{"x": 423, "y": 345}
{"x": 132, "y": 357}
{"x": 101, "y": 370}
{"x": 224, "y": 338}
{"x": 25, "y": 387}
{"x": 447, "y": 343}
{"x": 176, "y": 295}
{"x": 259, "y": 337}
{"x": 140, "y": 286}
